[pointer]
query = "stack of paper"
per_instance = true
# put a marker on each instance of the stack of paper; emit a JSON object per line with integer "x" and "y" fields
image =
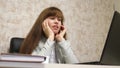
{"x": 22, "y": 58}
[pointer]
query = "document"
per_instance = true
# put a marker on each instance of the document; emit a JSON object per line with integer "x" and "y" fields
{"x": 22, "y": 58}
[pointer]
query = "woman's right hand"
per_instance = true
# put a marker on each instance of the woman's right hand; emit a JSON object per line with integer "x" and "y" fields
{"x": 47, "y": 30}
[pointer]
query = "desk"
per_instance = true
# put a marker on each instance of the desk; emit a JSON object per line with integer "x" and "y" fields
{"x": 39, "y": 65}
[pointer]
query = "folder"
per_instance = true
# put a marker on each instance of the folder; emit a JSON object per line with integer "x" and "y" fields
{"x": 22, "y": 58}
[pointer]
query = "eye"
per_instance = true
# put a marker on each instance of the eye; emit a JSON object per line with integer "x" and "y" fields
{"x": 52, "y": 18}
{"x": 59, "y": 19}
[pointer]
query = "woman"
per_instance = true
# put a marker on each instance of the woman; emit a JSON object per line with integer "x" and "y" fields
{"x": 48, "y": 38}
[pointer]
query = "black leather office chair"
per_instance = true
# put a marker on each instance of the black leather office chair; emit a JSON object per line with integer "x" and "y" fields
{"x": 15, "y": 44}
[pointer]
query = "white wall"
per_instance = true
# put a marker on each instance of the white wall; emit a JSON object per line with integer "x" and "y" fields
{"x": 117, "y": 5}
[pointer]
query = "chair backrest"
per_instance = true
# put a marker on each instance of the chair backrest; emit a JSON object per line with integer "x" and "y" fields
{"x": 15, "y": 44}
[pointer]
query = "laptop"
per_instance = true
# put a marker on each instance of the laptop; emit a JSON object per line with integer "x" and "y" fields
{"x": 111, "y": 51}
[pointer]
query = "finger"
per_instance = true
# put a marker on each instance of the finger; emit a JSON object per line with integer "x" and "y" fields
{"x": 43, "y": 26}
{"x": 63, "y": 31}
{"x": 45, "y": 21}
{"x": 62, "y": 27}
{"x": 47, "y": 25}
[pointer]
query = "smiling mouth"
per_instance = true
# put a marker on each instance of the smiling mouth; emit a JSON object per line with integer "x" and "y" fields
{"x": 55, "y": 27}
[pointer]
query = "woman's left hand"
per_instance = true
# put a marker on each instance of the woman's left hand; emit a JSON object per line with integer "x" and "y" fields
{"x": 60, "y": 36}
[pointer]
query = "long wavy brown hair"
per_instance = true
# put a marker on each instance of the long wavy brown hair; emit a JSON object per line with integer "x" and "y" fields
{"x": 35, "y": 34}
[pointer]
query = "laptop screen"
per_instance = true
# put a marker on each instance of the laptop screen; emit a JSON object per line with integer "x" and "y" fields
{"x": 111, "y": 52}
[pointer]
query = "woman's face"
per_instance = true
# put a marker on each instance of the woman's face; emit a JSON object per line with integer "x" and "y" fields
{"x": 54, "y": 23}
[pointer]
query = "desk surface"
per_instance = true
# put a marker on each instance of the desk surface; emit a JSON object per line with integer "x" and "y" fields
{"x": 39, "y": 65}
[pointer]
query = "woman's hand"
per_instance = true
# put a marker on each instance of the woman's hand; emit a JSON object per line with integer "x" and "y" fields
{"x": 60, "y": 36}
{"x": 47, "y": 30}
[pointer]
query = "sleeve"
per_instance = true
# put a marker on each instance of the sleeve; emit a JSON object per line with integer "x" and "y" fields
{"x": 45, "y": 50}
{"x": 68, "y": 54}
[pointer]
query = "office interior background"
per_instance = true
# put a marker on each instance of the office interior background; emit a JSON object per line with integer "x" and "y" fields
{"x": 87, "y": 22}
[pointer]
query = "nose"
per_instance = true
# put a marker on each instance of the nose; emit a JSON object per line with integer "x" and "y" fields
{"x": 56, "y": 21}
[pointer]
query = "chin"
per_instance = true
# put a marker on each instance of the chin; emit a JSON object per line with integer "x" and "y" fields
{"x": 55, "y": 32}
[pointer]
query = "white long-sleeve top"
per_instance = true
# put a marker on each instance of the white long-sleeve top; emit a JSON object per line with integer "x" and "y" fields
{"x": 59, "y": 52}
